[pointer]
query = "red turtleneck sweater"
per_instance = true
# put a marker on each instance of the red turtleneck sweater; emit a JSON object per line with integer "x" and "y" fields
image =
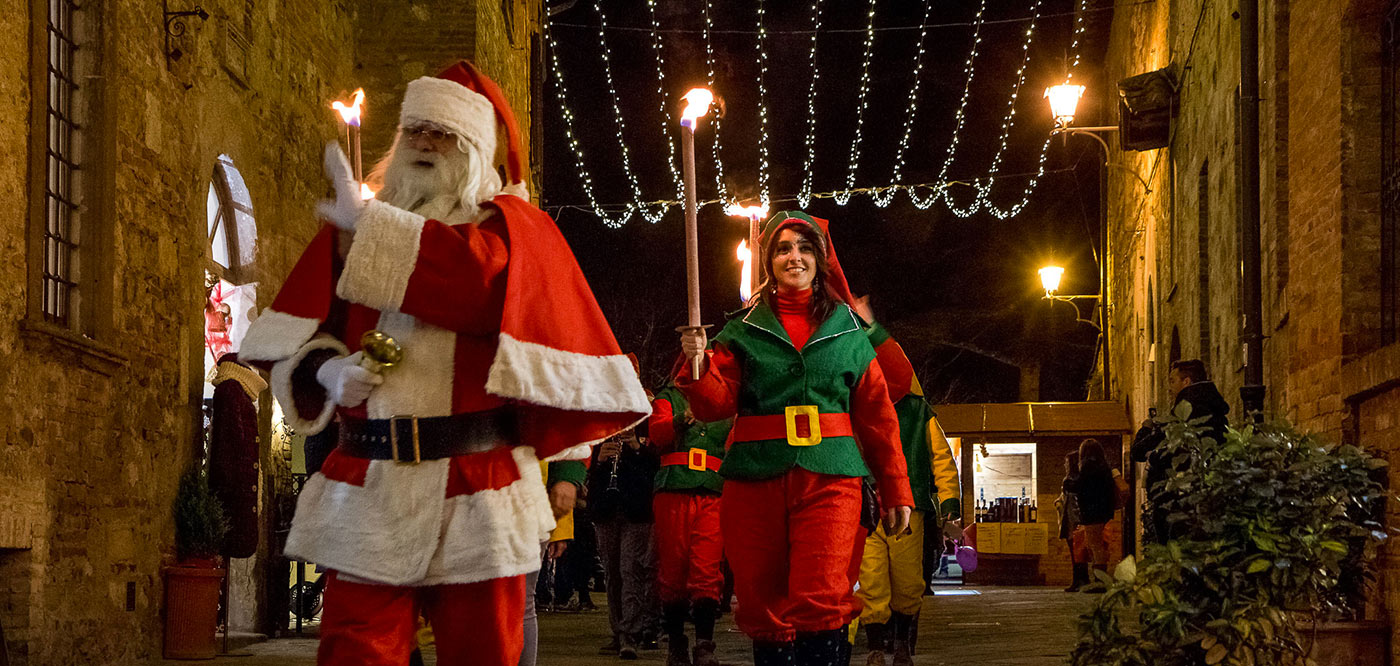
{"x": 715, "y": 397}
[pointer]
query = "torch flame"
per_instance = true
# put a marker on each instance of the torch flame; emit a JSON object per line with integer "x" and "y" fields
{"x": 366, "y": 193}
{"x": 697, "y": 104}
{"x": 350, "y": 113}
{"x": 751, "y": 212}
{"x": 746, "y": 273}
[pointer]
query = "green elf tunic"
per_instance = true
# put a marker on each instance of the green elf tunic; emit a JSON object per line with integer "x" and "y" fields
{"x": 694, "y": 449}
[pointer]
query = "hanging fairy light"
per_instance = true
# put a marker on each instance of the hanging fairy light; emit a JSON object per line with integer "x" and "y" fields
{"x": 845, "y": 195}
{"x": 984, "y": 188}
{"x": 661, "y": 99}
{"x": 584, "y": 178}
{"x": 884, "y": 197}
{"x": 651, "y": 215}
{"x": 959, "y": 118}
{"x": 762, "y": 111}
{"x": 804, "y": 193}
{"x": 720, "y": 188}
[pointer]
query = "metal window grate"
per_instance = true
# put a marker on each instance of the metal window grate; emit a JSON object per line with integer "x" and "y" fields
{"x": 1390, "y": 174}
{"x": 60, "y": 232}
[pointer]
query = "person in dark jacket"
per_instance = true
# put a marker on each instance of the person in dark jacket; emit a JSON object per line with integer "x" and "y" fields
{"x": 1097, "y": 496}
{"x": 1189, "y": 385}
{"x": 1068, "y": 506}
{"x": 619, "y": 495}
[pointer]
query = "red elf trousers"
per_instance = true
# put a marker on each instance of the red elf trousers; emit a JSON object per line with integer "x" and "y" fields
{"x": 689, "y": 550}
{"x": 791, "y": 542}
{"x": 374, "y": 625}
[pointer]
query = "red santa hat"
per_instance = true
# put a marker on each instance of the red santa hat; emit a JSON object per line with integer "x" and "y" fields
{"x": 465, "y": 101}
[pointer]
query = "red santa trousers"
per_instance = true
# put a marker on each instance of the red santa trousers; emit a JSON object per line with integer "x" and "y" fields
{"x": 689, "y": 550}
{"x": 374, "y": 625}
{"x": 791, "y": 542}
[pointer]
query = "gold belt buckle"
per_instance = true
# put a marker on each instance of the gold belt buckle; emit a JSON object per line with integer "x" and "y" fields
{"x": 812, "y": 416}
{"x": 698, "y": 460}
{"x": 394, "y": 439}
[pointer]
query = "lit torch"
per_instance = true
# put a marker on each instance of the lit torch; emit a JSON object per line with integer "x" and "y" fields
{"x": 746, "y": 273}
{"x": 366, "y": 193}
{"x": 697, "y": 104}
{"x": 350, "y": 114}
{"x": 755, "y": 215}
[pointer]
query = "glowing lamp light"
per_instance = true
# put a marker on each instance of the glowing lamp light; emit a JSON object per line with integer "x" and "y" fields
{"x": 366, "y": 193}
{"x": 751, "y": 212}
{"x": 1050, "y": 279}
{"x": 1064, "y": 98}
{"x": 697, "y": 104}
{"x": 350, "y": 113}
{"x": 746, "y": 273}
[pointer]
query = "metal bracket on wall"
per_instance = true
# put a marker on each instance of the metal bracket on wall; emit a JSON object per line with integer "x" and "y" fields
{"x": 175, "y": 26}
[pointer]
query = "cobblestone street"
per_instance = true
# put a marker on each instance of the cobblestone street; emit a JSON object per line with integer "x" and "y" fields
{"x": 998, "y": 626}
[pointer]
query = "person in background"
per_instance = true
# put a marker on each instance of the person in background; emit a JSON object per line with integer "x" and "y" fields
{"x": 1096, "y": 492}
{"x": 1068, "y": 506}
{"x": 619, "y": 493}
{"x": 1189, "y": 386}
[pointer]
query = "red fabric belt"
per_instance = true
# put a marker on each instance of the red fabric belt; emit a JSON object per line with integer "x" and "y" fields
{"x": 696, "y": 459}
{"x": 775, "y": 426}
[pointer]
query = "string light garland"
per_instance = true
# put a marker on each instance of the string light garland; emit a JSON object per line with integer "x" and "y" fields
{"x": 720, "y": 187}
{"x": 861, "y": 104}
{"x": 651, "y": 215}
{"x": 584, "y": 178}
{"x": 960, "y": 117}
{"x": 804, "y": 193}
{"x": 762, "y": 111}
{"x": 883, "y": 198}
{"x": 661, "y": 100}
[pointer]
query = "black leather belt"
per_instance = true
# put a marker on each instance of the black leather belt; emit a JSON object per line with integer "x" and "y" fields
{"x": 409, "y": 439}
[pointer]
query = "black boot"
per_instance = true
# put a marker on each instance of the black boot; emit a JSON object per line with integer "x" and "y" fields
{"x": 902, "y": 652}
{"x": 673, "y": 617}
{"x": 704, "y": 654}
{"x": 766, "y": 653}
{"x": 1081, "y": 577}
{"x": 704, "y": 612}
{"x": 823, "y": 648}
{"x": 877, "y": 642}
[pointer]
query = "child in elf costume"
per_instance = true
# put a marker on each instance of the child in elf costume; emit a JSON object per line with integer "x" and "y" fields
{"x": 798, "y": 370}
{"x": 689, "y": 549}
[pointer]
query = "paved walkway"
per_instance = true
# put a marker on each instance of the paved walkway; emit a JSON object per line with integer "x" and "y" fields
{"x": 998, "y": 626}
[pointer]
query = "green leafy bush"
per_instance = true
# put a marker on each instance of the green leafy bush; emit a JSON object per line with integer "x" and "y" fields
{"x": 199, "y": 518}
{"x": 1278, "y": 529}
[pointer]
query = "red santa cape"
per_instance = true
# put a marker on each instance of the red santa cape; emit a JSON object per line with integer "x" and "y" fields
{"x": 556, "y": 358}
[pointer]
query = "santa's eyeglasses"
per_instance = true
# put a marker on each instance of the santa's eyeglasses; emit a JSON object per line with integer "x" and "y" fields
{"x": 430, "y": 133}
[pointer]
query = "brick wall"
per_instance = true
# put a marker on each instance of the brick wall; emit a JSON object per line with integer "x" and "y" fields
{"x": 96, "y": 436}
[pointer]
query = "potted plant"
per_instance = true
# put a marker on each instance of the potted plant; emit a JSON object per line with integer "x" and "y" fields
{"x": 1279, "y": 539}
{"x": 192, "y": 584}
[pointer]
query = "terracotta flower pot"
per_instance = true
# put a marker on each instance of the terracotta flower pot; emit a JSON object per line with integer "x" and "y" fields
{"x": 192, "y": 609}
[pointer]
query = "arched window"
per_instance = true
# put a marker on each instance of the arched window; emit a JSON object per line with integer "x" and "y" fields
{"x": 231, "y": 293}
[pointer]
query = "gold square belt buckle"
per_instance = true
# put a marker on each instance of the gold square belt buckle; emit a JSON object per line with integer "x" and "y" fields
{"x": 394, "y": 439}
{"x": 804, "y": 426}
{"x": 698, "y": 460}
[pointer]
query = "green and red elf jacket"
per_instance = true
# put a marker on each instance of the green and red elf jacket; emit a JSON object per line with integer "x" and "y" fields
{"x": 933, "y": 476}
{"x": 692, "y": 451}
{"x": 804, "y": 393}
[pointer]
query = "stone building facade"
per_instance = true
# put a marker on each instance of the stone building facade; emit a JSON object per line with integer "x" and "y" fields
{"x": 115, "y": 135}
{"x": 1327, "y": 73}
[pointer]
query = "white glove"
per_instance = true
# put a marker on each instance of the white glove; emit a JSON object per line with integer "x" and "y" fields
{"x": 346, "y": 382}
{"x": 345, "y": 209}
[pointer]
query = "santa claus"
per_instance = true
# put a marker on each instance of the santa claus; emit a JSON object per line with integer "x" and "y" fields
{"x": 432, "y": 501}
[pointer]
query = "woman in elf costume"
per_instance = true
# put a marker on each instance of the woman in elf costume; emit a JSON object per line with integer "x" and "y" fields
{"x": 798, "y": 370}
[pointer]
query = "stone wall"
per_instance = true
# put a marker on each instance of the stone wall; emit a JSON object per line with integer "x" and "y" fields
{"x": 99, "y": 429}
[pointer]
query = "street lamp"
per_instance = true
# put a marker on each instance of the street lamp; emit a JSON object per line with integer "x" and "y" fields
{"x": 1064, "y": 98}
{"x": 1050, "y": 281}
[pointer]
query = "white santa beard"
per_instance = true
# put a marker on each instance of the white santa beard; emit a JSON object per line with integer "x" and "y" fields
{"x": 457, "y": 179}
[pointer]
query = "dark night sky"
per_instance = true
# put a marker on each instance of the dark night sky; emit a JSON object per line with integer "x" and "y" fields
{"x": 960, "y": 294}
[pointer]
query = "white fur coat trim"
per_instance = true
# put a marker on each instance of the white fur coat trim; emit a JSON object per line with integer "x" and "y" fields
{"x": 399, "y": 530}
{"x": 382, "y": 257}
{"x": 454, "y": 107}
{"x": 283, "y": 390}
{"x": 275, "y": 335}
{"x": 552, "y": 377}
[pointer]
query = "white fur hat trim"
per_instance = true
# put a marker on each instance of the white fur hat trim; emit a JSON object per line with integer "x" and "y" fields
{"x": 453, "y": 106}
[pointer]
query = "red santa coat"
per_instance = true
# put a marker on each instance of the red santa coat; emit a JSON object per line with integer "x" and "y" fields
{"x": 491, "y": 313}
